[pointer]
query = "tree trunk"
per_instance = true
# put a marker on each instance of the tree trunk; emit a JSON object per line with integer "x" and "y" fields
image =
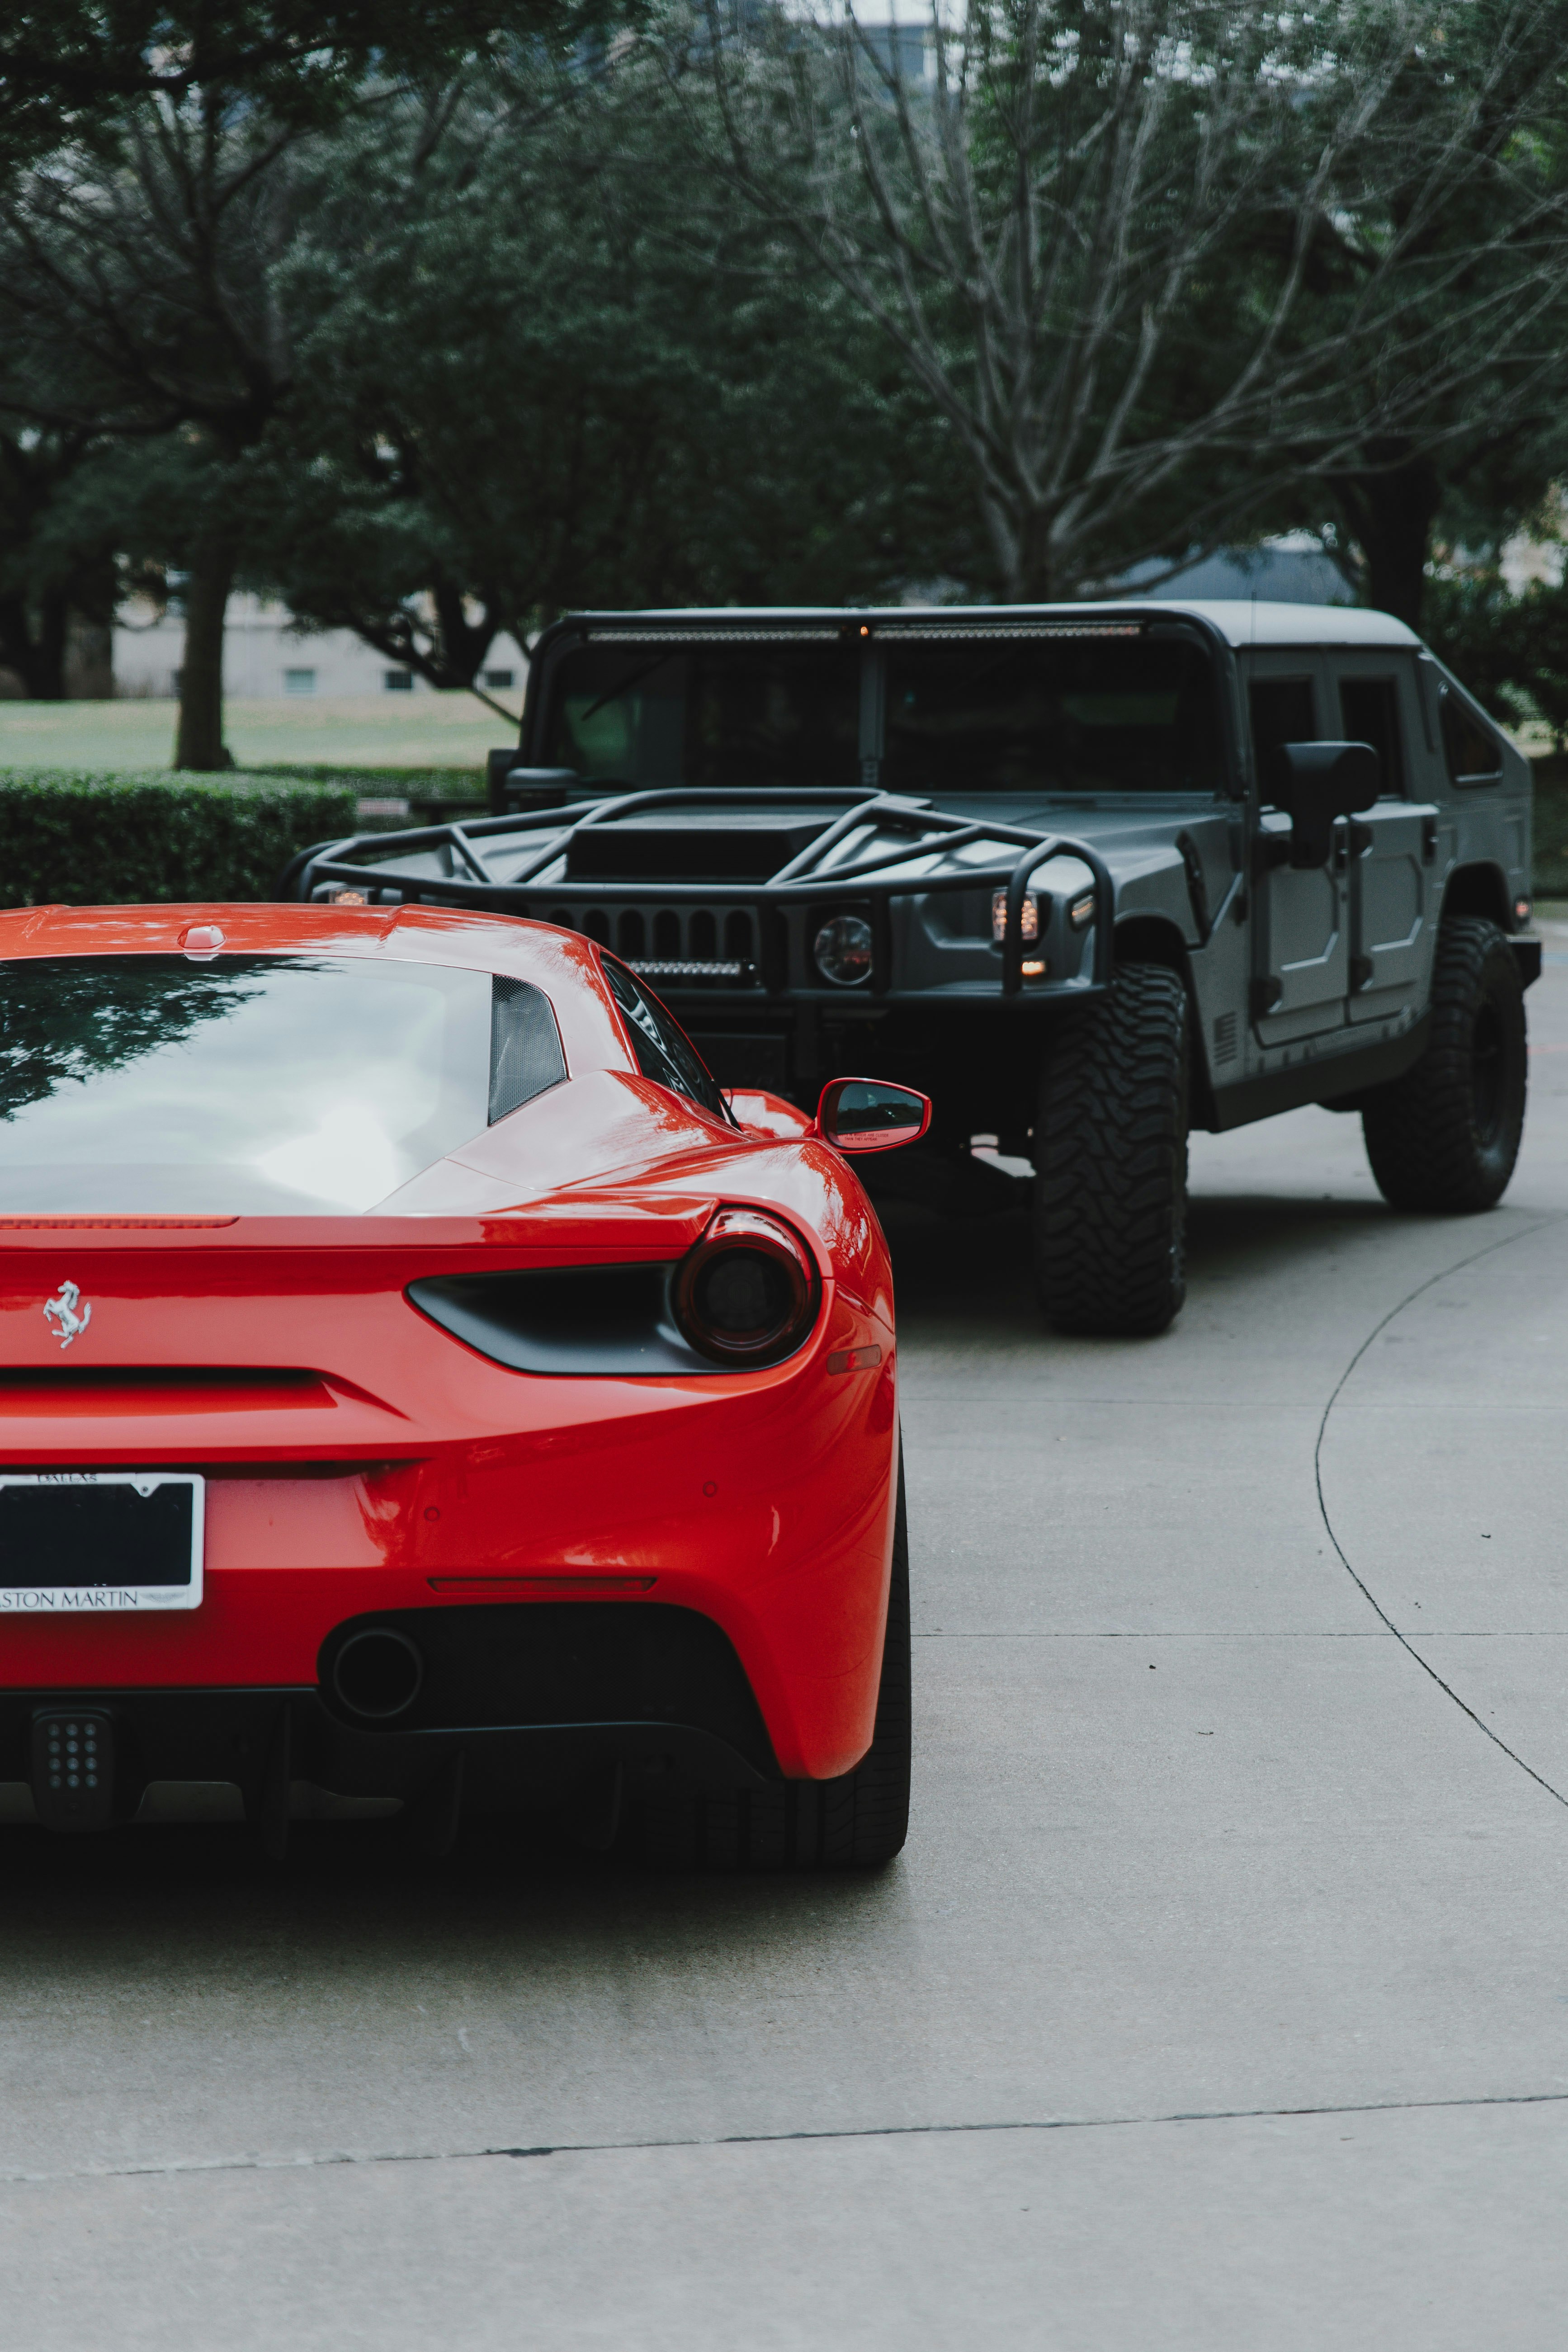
{"x": 36, "y": 652}
{"x": 199, "y": 740}
{"x": 1391, "y": 514}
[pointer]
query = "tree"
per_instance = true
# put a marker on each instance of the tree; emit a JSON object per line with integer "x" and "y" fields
{"x": 137, "y": 261}
{"x": 57, "y": 556}
{"x": 540, "y": 363}
{"x": 1511, "y": 650}
{"x": 1477, "y": 206}
{"x": 139, "y": 284}
{"x": 1161, "y": 262}
{"x": 73, "y": 71}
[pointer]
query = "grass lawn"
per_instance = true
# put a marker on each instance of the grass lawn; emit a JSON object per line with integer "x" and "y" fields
{"x": 420, "y": 731}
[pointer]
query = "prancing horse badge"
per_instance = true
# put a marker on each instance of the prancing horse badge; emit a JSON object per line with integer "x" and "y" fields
{"x": 60, "y": 1315}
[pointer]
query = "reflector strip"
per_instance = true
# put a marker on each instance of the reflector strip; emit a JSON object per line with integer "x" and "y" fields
{"x": 689, "y": 970}
{"x": 855, "y": 1359}
{"x": 115, "y": 1224}
{"x": 542, "y": 1583}
{"x": 893, "y": 633}
{"x": 762, "y": 634}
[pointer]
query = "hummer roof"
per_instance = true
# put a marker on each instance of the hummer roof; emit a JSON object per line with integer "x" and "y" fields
{"x": 1237, "y": 619}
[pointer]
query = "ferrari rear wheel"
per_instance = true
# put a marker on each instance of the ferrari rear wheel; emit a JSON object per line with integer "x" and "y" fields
{"x": 856, "y": 1822}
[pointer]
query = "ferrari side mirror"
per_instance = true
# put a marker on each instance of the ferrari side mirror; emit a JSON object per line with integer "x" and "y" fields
{"x": 868, "y": 1115}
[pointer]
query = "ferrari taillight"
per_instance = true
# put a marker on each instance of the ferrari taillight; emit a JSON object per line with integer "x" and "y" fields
{"x": 747, "y": 1293}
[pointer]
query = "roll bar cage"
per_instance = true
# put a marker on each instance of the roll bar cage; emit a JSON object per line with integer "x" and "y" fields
{"x": 370, "y": 861}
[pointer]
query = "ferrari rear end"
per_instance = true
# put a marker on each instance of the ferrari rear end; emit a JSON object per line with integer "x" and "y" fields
{"x": 410, "y": 1406}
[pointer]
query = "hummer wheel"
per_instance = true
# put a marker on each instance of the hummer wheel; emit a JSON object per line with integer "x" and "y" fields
{"x": 1111, "y": 1160}
{"x": 1445, "y": 1137}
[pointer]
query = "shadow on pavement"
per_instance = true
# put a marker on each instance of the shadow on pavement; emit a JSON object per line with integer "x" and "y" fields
{"x": 359, "y": 1889}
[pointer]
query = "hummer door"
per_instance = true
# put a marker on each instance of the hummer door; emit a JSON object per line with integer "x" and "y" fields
{"x": 1391, "y": 847}
{"x": 1302, "y": 958}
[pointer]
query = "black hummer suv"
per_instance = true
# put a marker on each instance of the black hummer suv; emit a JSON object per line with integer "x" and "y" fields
{"x": 1087, "y": 875}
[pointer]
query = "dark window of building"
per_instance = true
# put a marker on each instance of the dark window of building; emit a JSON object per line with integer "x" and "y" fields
{"x": 398, "y": 681}
{"x": 1282, "y": 712}
{"x": 500, "y": 678}
{"x": 1369, "y": 713}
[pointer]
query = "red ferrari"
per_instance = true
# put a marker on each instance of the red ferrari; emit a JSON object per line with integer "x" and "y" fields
{"x": 425, "y": 1392}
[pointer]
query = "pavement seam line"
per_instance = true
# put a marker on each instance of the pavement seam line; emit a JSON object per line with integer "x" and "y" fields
{"x": 1406, "y": 1644}
{"x": 330, "y": 2159}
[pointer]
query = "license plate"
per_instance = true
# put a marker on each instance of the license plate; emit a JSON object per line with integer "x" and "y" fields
{"x": 100, "y": 1540}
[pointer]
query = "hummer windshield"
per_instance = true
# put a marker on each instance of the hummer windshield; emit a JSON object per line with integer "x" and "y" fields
{"x": 926, "y": 711}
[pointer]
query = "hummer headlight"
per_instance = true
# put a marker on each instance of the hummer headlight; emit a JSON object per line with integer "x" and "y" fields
{"x": 842, "y": 951}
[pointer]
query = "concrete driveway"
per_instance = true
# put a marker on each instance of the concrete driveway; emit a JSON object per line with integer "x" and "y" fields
{"x": 1220, "y": 2000}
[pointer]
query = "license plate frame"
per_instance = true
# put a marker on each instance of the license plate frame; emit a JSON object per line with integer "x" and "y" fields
{"x": 85, "y": 1519}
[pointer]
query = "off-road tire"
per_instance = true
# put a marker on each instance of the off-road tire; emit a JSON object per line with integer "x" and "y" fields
{"x": 1445, "y": 1137}
{"x": 856, "y": 1822}
{"x": 1111, "y": 1160}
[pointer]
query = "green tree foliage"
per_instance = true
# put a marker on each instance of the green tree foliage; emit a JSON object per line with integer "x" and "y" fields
{"x": 559, "y": 372}
{"x": 1168, "y": 265}
{"x": 73, "y": 72}
{"x": 1472, "y": 324}
{"x": 1511, "y": 651}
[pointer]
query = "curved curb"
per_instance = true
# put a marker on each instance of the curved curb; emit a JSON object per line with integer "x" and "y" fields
{"x": 1361, "y": 1587}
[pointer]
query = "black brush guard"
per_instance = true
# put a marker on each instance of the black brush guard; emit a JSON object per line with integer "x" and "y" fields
{"x": 369, "y": 862}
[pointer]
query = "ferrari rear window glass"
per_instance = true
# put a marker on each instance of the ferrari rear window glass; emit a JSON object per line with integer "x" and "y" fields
{"x": 250, "y": 1085}
{"x": 1126, "y": 714}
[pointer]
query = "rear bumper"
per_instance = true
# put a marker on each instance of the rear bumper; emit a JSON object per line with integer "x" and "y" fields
{"x": 263, "y": 1744}
{"x": 763, "y": 1507}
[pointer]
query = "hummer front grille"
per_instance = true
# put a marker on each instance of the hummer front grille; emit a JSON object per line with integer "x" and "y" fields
{"x": 716, "y": 945}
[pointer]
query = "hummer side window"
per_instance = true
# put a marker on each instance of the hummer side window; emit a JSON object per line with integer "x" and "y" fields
{"x": 1369, "y": 709}
{"x": 1472, "y": 750}
{"x": 1282, "y": 712}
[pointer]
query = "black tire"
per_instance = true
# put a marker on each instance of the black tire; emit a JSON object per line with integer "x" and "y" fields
{"x": 1445, "y": 1137}
{"x": 856, "y": 1822}
{"x": 1111, "y": 1160}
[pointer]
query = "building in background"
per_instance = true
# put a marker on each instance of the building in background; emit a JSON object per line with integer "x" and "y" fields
{"x": 264, "y": 655}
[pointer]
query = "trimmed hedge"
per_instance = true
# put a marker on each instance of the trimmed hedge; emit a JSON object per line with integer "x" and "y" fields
{"x": 96, "y": 840}
{"x": 88, "y": 839}
{"x": 417, "y": 784}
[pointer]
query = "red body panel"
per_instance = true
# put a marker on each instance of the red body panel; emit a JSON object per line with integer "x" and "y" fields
{"x": 358, "y": 1456}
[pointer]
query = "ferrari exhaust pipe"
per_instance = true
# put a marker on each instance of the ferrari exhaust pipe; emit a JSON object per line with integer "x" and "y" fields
{"x": 377, "y": 1672}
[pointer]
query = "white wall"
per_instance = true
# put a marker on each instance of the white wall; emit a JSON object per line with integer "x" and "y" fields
{"x": 264, "y": 657}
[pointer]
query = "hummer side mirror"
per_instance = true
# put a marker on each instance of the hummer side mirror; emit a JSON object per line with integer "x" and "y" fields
{"x": 868, "y": 1115}
{"x": 1319, "y": 783}
{"x": 513, "y": 789}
